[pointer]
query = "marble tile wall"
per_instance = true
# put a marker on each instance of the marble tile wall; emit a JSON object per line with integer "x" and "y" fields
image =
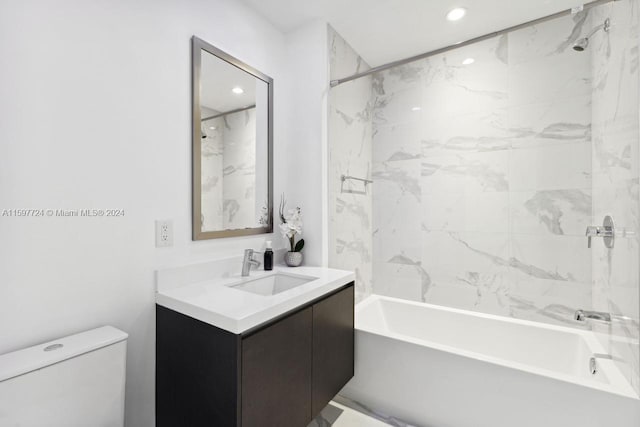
{"x": 483, "y": 176}
{"x": 239, "y": 170}
{"x": 349, "y": 153}
{"x": 487, "y": 174}
{"x": 616, "y": 132}
{"x": 228, "y": 172}
{"x": 212, "y": 153}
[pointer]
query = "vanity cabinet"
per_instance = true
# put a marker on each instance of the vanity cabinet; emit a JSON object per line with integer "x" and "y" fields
{"x": 276, "y": 373}
{"x": 279, "y": 374}
{"x": 332, "y": 362}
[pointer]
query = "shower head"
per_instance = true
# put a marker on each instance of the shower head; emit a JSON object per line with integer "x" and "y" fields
{"x": 582, "y": 44}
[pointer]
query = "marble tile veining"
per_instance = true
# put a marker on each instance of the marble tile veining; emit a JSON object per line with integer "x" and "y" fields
{"x": 616, "y": 142}
{"x": 350, "y": 153}
{"x": 228, "y": 169}
{"x": 559, "y": 212}
{"x": 487, "y": 174}
{"x": 337, "y": 415}
{"x": 370, "y": 412}
{"x": 493, "y": 162}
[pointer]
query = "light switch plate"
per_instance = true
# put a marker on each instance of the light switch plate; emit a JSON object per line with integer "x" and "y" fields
{"x": 164, "y": 233}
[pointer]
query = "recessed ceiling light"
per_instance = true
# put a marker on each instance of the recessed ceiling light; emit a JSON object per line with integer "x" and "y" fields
{"x": 237, "y": 90}
{"x": 416, "y": 109}
{"x": 456, "y": 14}
{"x": 468, "y": 61}
{"x": 212, "y": 127}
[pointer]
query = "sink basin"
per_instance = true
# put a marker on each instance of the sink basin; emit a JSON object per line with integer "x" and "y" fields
{"x": 272, "y": 284}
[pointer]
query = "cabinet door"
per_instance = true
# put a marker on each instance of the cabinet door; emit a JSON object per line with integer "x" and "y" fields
{"x": 197, "y": 371}
{"x": 333, "y": 340}
{"x": 276, "y": 374}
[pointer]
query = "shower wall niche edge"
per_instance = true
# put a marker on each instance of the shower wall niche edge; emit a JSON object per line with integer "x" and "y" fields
{"x": 349, "y": 153}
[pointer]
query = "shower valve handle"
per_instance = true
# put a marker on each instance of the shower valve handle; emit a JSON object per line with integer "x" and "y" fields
{"x": 591, "y": 231}
{"x": 606, "y": 231}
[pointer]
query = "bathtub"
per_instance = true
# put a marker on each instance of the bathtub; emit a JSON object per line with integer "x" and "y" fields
{"x": 432, "y": 366}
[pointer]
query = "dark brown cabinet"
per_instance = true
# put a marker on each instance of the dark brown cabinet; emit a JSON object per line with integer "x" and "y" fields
{"x": 332, "y": 347}
{"x": 279, "y": 374}
{"x": 276, "y": 367}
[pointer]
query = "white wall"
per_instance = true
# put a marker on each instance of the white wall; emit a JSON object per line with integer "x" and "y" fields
{"x": 308, "y": 74}
{"x": 95, "y": 113}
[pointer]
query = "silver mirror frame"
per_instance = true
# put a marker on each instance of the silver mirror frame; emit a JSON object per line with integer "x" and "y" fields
{"x": 198, "y": 45}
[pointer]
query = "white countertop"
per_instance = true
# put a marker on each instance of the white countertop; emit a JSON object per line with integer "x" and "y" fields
{"x": 214, "y": 302}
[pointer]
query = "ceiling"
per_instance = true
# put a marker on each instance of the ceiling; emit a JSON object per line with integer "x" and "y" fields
{"x": 383, "y": 31}
{"x": 218, "y": 78}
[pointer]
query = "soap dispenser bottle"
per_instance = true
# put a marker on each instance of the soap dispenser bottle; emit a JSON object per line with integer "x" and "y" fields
{"x": 268, "y": 257}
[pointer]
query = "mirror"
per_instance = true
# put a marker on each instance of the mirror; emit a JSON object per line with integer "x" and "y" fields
{"x": 232, "y": 146}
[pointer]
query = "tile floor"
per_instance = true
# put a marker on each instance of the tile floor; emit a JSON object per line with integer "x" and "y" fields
{"x": 337, "y": 415}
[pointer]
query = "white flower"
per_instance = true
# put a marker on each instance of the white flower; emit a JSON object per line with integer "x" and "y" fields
{"x": 293, "y": 224}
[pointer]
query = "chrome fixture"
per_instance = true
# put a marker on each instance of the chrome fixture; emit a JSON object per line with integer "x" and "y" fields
{"x": 582, "y": 315}
{"x": 583, "y": 43}
{"x": 593, "y": 368}
{"x": 607, "y": 232}
{"x": 418, "y": 57}
{"x": 248, "y": 261}
{"x": 345, "y": 178}
{"x": 226, "y": 113}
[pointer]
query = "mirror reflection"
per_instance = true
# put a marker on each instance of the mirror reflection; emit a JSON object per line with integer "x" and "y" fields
{"x": 234, "y": 149}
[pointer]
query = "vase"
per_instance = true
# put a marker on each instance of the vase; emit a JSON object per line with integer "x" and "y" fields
{"x": 293, "y": 259}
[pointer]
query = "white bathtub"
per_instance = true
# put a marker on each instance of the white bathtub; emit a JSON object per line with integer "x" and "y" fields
{"x": 439, "y": 367}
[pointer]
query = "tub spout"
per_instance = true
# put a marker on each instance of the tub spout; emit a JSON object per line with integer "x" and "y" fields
{"x": 593, "y": 364}
{"x": 582, "y": 315}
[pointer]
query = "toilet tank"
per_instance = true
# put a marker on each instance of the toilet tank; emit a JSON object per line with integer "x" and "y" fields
{"x": 75, "y": 381}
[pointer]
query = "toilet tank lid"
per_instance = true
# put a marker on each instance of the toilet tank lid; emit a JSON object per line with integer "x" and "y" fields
{"x": 39, "y": 356}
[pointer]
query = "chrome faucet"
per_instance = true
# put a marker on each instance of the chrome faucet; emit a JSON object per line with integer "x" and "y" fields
{"x": 582, "y": 315}
{"x": 248, "y": 261}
